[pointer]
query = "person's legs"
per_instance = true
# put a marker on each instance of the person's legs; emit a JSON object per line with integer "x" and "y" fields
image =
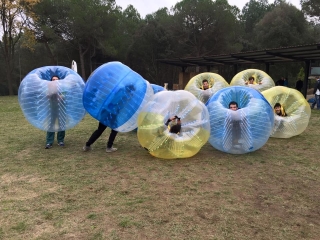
{"x": 318, "y": 101}
{"x": 96, "y": 134}
{"x": 60, "y": 138}
{"x": 49, "y": 139}
{"x": 112, "y": 136}
{"x": 314, "y": 103}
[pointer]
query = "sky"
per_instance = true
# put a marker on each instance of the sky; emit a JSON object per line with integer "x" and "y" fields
{"x": 145, "y": 7}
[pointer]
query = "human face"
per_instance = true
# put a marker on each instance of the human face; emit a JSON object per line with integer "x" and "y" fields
{"x": 205, "y": 85}
{"x": 55, "y": 78}
{"x": 251, "y": 81}
{"x": 277, "y": 110}
{"x": 233, "y": 107}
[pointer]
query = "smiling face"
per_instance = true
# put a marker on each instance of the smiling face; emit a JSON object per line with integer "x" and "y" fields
{"x": 277, "y": 110}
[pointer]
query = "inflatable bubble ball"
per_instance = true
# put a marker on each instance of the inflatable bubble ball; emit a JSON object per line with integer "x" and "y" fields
{"x": 295, "y": 111}
{"x": 174, "y": 124}
{"x": 156, "y": 88}
{"x": 197, "y": 87}
{"x": 114, "y": 95}
{"x": 261, "y": 80}
{"x": 52, "y": 105}
{"x": 243, "y": 130}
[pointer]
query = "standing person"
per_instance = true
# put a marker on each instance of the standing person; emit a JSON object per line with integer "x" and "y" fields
{"x": 55, "y": 99}
{"x": 285, "y": 82}
{"x": 96, "y": 134}
{"x": 235, "y": 124}
{"x": 280, "y": 82}
{"x": 316, "y": 92}
{"x": 299, "y": 85}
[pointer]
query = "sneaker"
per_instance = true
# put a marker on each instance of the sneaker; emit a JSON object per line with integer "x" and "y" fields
{"x": 61, "y": 144}
{"x": 112, "y": 149}
{"x": 48, "y": 146}
{"x": 86, "y": 148}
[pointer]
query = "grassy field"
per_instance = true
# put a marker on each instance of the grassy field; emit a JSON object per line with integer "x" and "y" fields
{"x": 64, "y": 193}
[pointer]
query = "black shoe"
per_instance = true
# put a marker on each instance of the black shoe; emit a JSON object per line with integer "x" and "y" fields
{"x": 48, "y": 146}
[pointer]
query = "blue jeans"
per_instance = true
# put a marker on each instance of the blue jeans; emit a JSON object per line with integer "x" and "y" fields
{"x": 60, "y": 137}
{"x": 317, "y": 97}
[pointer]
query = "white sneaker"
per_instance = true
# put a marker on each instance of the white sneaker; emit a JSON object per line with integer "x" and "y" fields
{"x": 86, "y": 148}
{"x": 112, "y": 149}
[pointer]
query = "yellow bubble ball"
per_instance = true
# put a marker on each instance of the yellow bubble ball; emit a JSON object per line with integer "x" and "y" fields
{"x": 155, "y": 136}
{"x": 262, "y": 81}
{"x": 295, "y": 106}
{"x": 216, "y": 82}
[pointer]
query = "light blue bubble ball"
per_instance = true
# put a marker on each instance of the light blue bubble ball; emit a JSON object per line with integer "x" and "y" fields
{"x": 115, "y": 94}
{"x": 244, "y": 130}
{"x": 52, "y": 105}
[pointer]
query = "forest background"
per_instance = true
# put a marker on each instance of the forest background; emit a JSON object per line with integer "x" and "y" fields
{"x": 36, "y": 33}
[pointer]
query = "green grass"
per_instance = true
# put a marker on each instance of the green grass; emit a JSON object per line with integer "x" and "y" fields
{"x": 64, "y": 193}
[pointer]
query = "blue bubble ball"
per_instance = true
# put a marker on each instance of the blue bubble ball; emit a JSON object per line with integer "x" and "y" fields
{"x": 52, "y": 105}
{"x": 156, "y": 88}
{"x": 244, "y": 130}
{"x": 115, "y": 94}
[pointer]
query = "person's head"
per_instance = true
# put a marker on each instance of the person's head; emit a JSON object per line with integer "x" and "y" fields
{"x": 233, "y": 106}
{"x": 251, "y": 80}
{"x": 205, "y": 84}
{"x": 277, "y": 108}
{"x": 177, "y": 127}
{"x": 54, "y": 78}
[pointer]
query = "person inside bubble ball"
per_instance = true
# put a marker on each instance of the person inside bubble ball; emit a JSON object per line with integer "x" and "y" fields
{"x": 233, "y": 106}
{"x": 176, "y": 128}
{"x": 236, "y": 129}
{"x": 96, "y": 134}
{"x": 205, "y": 84}
{"x": 55, "y": 99}
{"x": 278, "y": 109}
{"x": 251, "y": 81}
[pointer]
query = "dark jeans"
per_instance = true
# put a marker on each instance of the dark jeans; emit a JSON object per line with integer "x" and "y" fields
{"x": 317, "y": 101}
{"x": 60, "y": 137}
{"x": 97, "y": 133}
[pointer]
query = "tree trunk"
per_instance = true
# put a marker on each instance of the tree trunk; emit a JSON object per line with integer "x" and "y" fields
{"x": 81, "y": 54}
{"x": 51, "y": 56}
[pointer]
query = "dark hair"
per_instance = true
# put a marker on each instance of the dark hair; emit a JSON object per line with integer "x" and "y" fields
{"x": 175, "y": 128}
{"x": 277, "y": 105}
{"x": 251, "y": 78}
{"x": 233, "y": 103}
{"x": 54, "y": 76}
{"x": 205, "y": 80}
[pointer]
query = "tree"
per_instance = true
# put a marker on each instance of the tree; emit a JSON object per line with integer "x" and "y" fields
{"x": 203, "y": 27}
{"x": 12, "y": 23}
{"x": 311, "y": 8}
{"x": 151, "y": 41}
{"x": 252, "y": 13}
{"x": 86, "y": 24}
{"x": 284, "y": 26}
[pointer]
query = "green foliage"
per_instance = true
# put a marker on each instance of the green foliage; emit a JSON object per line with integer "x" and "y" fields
{"x": 252, "y": 13}
{"x": 204, "y": 27}
{"x": 284, "y": 26}
{"x": 311, "y": 8}
{"x": 301, "y": 74}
